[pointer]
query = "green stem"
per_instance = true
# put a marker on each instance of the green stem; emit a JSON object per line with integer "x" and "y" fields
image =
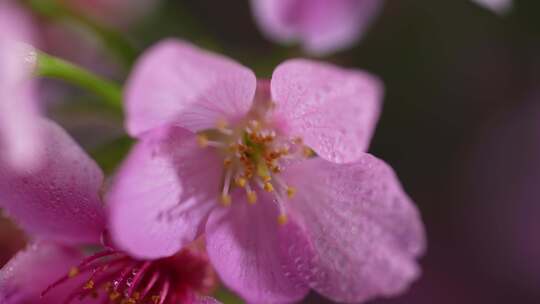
{"x": 115, "y": 42}
{"x": 56, "y": 68}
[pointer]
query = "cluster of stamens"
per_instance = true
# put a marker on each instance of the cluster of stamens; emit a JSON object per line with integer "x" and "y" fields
{"x": 253, "y": 155}
{"x": 120, "y": 279}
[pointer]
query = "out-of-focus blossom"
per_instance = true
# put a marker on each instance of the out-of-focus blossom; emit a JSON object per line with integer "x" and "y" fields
{"x": 118, "y": 278}
{"x": 302, "y": 205}
{"x": 498, "y": 6}
{"x": 19, "y": 140}
{"x": 320, "y": 26}
{"x": 60, "y": 201}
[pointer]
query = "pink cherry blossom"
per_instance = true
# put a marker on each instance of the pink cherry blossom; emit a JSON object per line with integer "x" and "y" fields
{"x": 275, "y": 172}
{"x": 59, "y": 201}
{"x": 320, "y": 26}
{"x": 498, "y": 6}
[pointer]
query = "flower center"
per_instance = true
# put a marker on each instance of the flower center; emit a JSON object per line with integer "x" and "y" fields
{"x": 254, "y": 155}
{"x": 125, "y": 280}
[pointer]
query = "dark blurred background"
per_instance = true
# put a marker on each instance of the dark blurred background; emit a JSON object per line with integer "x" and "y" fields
{"x": 460, "y": 125}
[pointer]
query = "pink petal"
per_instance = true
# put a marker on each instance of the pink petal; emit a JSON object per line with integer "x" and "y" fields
{"x": 276, "y": 18}
{"x": 15, "y": 29}
{"x": 321, "y": 26}
{"x": 364, "y": 232}
{"x": 162, "y": 193}
{"x": 30, "y": 272}
{"x": 498, "y": 6}
{"x": 333, "y": 109}
{"x": 59, "y": 199}
{"x": 19, "y": 142}
{"x": 243, "y": 246}
{"x": 180, "y": 84}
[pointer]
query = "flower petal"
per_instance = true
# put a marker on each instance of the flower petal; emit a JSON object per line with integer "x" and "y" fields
{"x": 276, "y": 18}
{"x": 59, "y": 199}
{"x": 333, "y": 109}
{"x": 364, "y": 231}
{"x": 30, "y": 272}
{"x": 322, "y": 26}
{"x": 162, "y": 193}
{"x": 497, "y": 6}
{"x": 15, "y": 30}
{"x": 19, "y": 141}
{"x": 178, "y": 83}
{"x": 243, "y": 246}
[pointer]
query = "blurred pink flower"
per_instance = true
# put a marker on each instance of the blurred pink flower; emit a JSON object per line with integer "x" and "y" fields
{"x": 320, "y": 26}
{"x": 59, "y": 201}
{"x": 108, "y": 276}
{"x": 498, "y": 6}
{"x": 18, "y": 136}
{"x": 338, "y": 223}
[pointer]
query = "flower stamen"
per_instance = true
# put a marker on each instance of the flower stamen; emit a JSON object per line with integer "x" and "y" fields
{"x": 124, "y": 280}
{"x": 253, "y": 155}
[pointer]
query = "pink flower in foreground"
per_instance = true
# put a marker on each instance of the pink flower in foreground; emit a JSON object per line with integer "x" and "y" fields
{"x": 320, "y": 26}
{"x": 222, "y": 153}
{"x": 59, "y": 201}
{"x": 18, "y": 140}
{"x": 498, "y": 6}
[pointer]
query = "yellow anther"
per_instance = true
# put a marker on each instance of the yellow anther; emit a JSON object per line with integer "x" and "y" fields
{"x": 268, "y": 187}
{"x": 227, "y": 162}
{"x": 282, "y": 219}
{"x": 272, "y": 155}
{"x": 74, "y": 271}
{"x": 308, "y": 152}
{"x": 291, "y": 191}
{"x": 275, "y": 169}
{"x": 89, "y": 285}
{"x": 266, "y": 178}
{"x": 242, "y": 148}
{"x": 226, "y": 200}
{"x": 240, "y": 182}
{"x": 136, "y": 295}
{"x": 113, "y": 296}
{"x": 255, "y": 125}
{"x": 202, "y": 140}
{"x": 222, "y": 124}
{"x": 252, "y": 197}
{"x": 155, "y": 299}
